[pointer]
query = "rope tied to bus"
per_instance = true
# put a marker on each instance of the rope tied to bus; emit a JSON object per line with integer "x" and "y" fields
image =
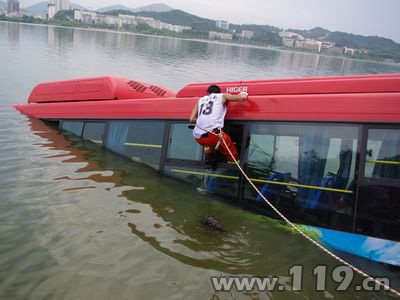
{"x": 330, "y": 253}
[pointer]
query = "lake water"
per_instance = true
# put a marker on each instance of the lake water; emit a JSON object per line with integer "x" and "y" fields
{"x": 78, "y": 222}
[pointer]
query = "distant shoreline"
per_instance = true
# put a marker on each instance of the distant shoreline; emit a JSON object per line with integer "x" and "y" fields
{"x": 207, "y": 41}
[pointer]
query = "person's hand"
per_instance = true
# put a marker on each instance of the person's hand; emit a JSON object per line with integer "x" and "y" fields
{"x": 244, "y": 94}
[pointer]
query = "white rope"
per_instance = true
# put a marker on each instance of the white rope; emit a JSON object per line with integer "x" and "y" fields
{"x": 381, "y": 283}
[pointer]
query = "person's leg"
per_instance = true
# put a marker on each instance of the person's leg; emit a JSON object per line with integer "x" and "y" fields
{"x": 231, "y": 147}
{"x": 209, "y": 156}
{"x": 208, "y": 143}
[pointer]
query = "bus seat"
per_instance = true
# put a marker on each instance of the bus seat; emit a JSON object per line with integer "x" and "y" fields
{"x": 325, "y": 182}
{"x": 269, "y": 190}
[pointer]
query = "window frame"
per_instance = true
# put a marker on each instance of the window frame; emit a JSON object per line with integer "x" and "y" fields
{"x": 185, "y": 162}
{"x": 105, "y": 122}
{"x": 163, "y": 121}
{"x": 387, "y": 182}
{"x": 60, "y": 126}
{"x": 357, "y": 169}
{"x": 166, "y": 159}
{"x": 244, "y": 158}
{"x": 363, "y": 181}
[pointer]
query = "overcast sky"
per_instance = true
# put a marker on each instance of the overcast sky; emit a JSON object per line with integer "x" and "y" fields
{"x": 366, "y": 17}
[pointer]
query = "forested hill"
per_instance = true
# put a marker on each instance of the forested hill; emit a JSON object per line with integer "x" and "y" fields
{"x": 377, "y": 47}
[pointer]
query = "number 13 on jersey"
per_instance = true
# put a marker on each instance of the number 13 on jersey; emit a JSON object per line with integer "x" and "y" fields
{"x": 206, "y": 108}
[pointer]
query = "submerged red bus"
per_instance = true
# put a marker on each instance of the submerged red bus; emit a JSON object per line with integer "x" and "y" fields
{"x": 325, "y": 151}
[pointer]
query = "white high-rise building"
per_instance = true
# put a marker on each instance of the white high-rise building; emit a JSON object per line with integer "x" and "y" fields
{"x": 51, "y": 10}
{"x": 55, "y": 6}
{"x": 13, "y": 7}
{"x": 62, "y": 5}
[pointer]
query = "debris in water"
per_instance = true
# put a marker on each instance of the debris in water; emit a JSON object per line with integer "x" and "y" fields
{"x": 212, "y": 222}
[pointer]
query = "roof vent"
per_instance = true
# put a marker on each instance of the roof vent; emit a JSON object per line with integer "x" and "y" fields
{"x": 137, "y": 86}
{"x": 157, "y": 90}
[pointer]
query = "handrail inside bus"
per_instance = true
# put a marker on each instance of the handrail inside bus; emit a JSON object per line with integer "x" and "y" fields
{"x": 266, "y": 181}
{"x": 383, "y": 162}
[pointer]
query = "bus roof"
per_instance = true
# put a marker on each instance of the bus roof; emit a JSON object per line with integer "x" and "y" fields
{"x": 373, "y": 98}
{"x": 296, "y": 86}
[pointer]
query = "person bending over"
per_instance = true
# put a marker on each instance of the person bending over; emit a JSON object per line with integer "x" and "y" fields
{"x": 208, "y": 114}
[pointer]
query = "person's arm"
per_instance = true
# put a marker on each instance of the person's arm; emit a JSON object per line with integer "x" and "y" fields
{"x": 195, "y": 112}
{"x": 235, "y": 98}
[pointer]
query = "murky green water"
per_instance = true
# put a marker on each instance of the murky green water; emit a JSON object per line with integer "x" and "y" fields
{"x": 79, "y": 222}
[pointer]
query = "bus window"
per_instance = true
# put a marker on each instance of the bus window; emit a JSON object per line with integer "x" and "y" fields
{"x": 74, "y": 127}
{"x": 383, "y": 154}
{"x": 93, "y": 131}
{"x": 304, "y": 168}
{"x": 182, "y": 144}
{"x": 137, "y": 140}
{"x": 184, "y": 161}
{"x": 378, "y": 208}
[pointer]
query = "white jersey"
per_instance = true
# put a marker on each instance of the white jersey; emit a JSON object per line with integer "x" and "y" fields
{"x": 211, "y": 114}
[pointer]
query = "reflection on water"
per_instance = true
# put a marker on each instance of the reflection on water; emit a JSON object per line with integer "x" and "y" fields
{"x": 13, "y": 34}
{"x": 60, "y": 38}
{"x": 77, "y": 221}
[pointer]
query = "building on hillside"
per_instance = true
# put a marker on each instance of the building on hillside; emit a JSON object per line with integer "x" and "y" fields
{"x": 246, "y": 34}
{"x": 87, "y": 17}
{"x": 289, "y": 38}
{"x": 157, "y": 24}
{"x": 348, "y": 50}
{"x": 294, "y": 40}
{"x": 100, "y": 19}
{"x": 128, "y": 20}
{"x": 334, "y": 49}
{"x": 220, "y": 35}
{"x": 108, "y": 20}
{"x": 13, "y": 7}
{"x": 325, "y": 46}
{"x": 308, "y": 44}
{"x": 180, "y": 29}
{"x": 288, "y": 42}
{"x": 144, "y": 20}
{"x": 90, "y": 17}
{"x": 222, "y": 24}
